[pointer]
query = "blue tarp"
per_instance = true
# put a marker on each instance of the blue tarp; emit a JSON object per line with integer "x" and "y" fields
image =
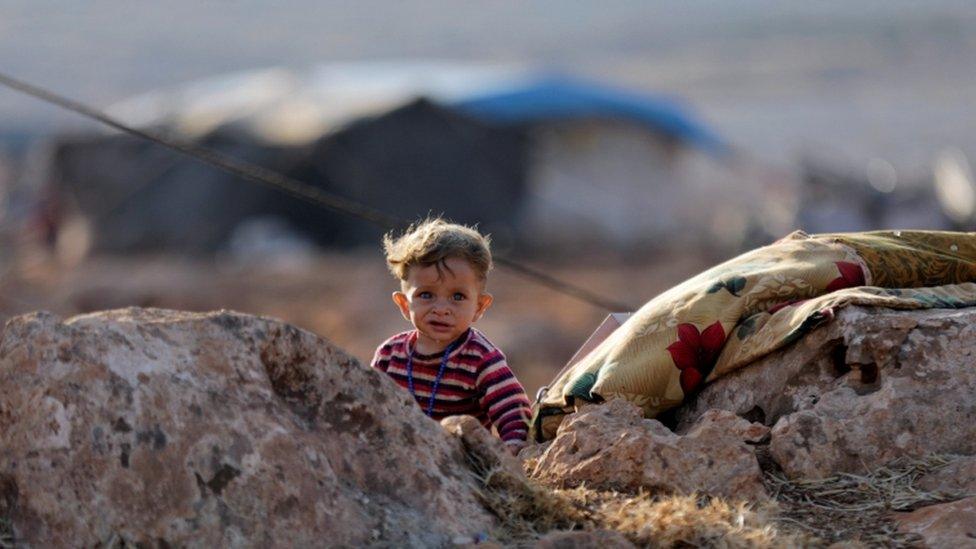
{"x": 555, "y": 97}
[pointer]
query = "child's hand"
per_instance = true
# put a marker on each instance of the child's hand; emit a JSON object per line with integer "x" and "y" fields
{"x": 515, "y": 446}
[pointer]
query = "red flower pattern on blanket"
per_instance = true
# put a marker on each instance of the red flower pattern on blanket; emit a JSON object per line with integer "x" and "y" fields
{"x": 695, "y": 352}
{"x": 851, "y": 276}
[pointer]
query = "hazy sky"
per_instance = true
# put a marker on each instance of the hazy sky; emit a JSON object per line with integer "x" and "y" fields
{"x": 888, "y": 77}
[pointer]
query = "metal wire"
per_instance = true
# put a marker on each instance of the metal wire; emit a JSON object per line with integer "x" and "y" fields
{"x": 304, "y": 191}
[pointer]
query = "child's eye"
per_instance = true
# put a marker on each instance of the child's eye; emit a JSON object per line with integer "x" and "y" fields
{"x": 425, "y": 295}
{"x": 459, "y": 296}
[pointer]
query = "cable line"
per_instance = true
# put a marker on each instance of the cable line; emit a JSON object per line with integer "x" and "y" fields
{"x": 303, "y": 191}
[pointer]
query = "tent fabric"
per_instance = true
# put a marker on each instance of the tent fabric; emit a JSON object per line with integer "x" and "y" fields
{"x": 284, "y": 106}
{"x": 563, "y": 98}
{"x": 413, "y": 161}
{"x": 761, "y": 301}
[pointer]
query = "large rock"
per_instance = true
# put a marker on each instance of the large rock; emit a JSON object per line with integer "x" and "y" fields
{"x": 612, "y": 446}
{"x": 943, "y": 526}
{"x": 958, "y": 477}
{"x": 223, "y": 429}
{"x": 487, "y": 453}
{"x": 871, "y": 386}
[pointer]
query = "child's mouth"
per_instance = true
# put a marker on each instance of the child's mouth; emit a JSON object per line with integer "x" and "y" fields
{"x": 439, "y": 325}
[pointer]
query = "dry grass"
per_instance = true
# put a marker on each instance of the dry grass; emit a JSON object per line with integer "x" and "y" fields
{"x": 686, "y": 521}
{"x": 849, "y": 508}
{"x": 858, "y": 507}
{"x": 645, "y": 520}
{"x": 527, "y": 510}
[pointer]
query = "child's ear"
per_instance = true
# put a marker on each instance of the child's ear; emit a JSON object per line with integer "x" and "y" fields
{"x": 403, "y": 304}
{"x": 484, "y": 301}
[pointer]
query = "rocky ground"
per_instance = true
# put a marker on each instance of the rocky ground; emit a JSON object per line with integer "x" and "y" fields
{"x": 148, "y": 426}
{"x": 862, "y": 431}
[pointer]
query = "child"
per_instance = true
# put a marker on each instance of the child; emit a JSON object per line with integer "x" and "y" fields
{"x": 449, "y": 367}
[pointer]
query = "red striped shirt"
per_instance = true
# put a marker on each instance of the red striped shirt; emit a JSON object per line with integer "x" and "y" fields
{"x": 477, "y": 382}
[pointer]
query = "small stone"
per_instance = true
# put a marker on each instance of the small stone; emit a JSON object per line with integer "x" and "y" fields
{"x": 957, "y": 477}
{"x": 488, "y": 450}
{"x": 944, "y": 525}
{"x": 613, "y": 447}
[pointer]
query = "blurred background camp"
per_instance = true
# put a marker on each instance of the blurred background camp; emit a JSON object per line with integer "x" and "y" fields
{"x": 620, "y": 146}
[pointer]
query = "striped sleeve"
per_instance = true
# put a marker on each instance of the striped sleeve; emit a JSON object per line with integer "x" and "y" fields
{"x": 504, "y": 399}
{"x": 381, "y": 358}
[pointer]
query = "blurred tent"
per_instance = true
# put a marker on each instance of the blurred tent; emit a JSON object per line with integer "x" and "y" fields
{"x": 419, "y": 158}
{"x": 532, "y": 157}
{"x": 955, "y": 188}
{"x": 838, "y": 199}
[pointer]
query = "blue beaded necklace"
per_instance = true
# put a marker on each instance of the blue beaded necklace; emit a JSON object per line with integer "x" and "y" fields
{"x": 437, "y": 380}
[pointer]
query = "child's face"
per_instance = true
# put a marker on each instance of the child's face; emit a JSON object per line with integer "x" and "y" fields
{"x": 442, "y": 305}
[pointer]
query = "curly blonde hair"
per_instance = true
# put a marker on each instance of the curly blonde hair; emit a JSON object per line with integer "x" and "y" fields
{"x": 433, "y": 241}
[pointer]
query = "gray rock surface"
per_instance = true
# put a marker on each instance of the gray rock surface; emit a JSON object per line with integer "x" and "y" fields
{"x": 220, "y": 429}
{"x": 944, "y": 526}
{"x": 871, "y": 386}
{"x": 487, "y": 453}
{"x": 611, "y": 446}
{"x": 958, "y": 477}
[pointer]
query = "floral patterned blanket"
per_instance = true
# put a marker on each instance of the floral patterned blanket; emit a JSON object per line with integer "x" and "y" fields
{"x": 756, "y": 303}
